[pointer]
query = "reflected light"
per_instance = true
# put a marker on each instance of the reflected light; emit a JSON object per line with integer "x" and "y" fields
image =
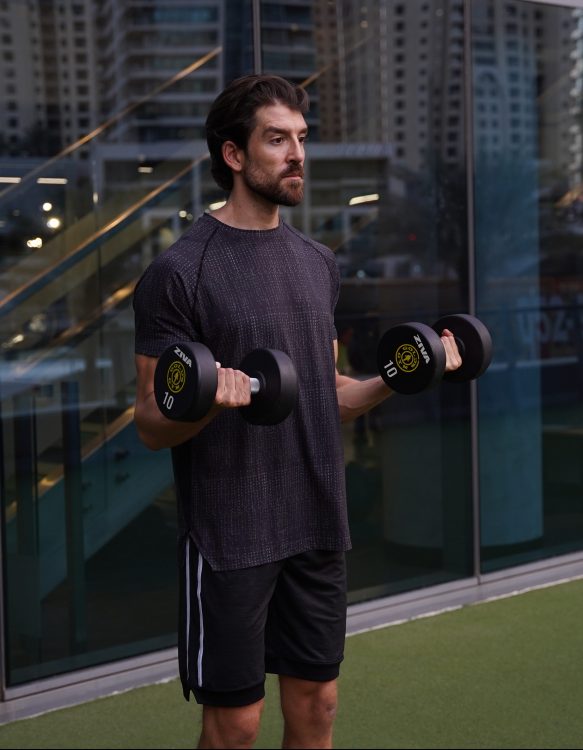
{"x": 218, "y": 204}
{"x": 52, "y": 181}
{"x": 16, "y": 339}
{"x": 363, "y": 199}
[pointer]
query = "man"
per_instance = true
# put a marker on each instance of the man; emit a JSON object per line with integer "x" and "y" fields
{"x": 262, "y": 509}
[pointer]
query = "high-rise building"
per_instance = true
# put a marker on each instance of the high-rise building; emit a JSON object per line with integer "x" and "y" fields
{"x": 143, "y": 46}
{"x": 392, "y": 72}
{"x": 522, "y": 98}
{"x": 48, "y": 74}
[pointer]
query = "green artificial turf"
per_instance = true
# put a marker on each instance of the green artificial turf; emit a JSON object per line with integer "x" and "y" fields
{"x": 502, "y": 674}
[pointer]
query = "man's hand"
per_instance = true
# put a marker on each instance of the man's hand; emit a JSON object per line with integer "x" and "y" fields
{"x": 233, "y": 388}
{"x": 453, "y": 358}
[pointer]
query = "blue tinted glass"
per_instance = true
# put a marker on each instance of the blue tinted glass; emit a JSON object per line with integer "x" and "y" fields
{"x": 102, "y": 165}
{"x": 386, "y": 190}
{"x": 529, "y": 259}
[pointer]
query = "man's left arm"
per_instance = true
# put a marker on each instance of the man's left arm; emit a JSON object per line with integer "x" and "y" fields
{"x": 356, "y": 397}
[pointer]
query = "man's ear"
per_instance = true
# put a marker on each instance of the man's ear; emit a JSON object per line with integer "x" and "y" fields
{"x": 233, "y": 156}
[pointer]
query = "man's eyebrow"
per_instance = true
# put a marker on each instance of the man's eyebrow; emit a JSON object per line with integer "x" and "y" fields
{"x": 284, "y": 131}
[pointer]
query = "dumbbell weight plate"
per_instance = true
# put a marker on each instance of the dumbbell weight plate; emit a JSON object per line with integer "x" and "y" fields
{"x": 474, "y": 343}
{"x": 411, "y": 358}
{"x": 185, "y": 381}
{"x": 278, "y": 386}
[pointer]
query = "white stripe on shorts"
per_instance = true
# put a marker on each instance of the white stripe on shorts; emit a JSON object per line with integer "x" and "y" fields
{"x": 187, "y": 606}
{"x": 201, "y": 622}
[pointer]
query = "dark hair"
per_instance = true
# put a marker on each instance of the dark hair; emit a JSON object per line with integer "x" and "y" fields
{"x": 232, "y": 115}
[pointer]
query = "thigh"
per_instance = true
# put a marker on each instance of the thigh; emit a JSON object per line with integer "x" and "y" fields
{"x": 222, "y": 630}
{"x": 306, "y": 625}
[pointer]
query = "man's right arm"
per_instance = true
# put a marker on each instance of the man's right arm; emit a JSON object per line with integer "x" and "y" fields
{"x": 157, "y": 431}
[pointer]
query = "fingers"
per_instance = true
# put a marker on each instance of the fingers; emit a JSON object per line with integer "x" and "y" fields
{"x": 453, "y": 358}
{"x": 233, "y": 388}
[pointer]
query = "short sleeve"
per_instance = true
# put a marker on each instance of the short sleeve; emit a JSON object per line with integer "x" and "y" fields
{"x": 164, "y": 308}
{"x": 335, "y": 289}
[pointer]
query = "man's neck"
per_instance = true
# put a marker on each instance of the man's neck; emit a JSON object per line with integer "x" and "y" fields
{"x": 248, "y": 213}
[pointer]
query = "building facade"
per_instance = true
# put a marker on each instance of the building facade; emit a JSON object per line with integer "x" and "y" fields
{"x": 445, "y": 171}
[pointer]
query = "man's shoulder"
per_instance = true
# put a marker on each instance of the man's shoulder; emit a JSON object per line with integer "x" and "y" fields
{"x": 189, "y": 247}
{"x": 178, "y": 266}
{"x": 300, "y": 237}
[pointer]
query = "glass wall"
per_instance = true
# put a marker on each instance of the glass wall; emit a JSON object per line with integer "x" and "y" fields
{"x": 528, "y": 119}
{"x": 103, "y": 165}
{"x": 387, "y": 192}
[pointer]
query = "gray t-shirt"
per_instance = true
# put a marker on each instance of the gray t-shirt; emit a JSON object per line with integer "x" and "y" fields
{"x": 250, "y": 494}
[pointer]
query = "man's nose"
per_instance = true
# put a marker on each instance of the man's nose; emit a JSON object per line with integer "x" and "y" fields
{"x": 296, "y": 151}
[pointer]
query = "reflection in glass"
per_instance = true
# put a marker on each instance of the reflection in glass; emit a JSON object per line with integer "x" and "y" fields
{"x": 527, "y": 62}
{"x": 386, "y": 191}
{"x": 102, "y": 166}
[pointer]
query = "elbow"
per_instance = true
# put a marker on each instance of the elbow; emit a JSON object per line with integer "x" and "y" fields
{"x": 346, "y": 414}
{"x": 149, "y": 440}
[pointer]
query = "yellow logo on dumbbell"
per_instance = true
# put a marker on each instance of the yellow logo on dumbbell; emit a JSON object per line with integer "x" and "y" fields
{"x": 176, "y": 377}
{"x": 407, "y": 358}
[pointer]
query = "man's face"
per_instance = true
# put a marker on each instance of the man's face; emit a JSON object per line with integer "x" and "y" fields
{"x": 274, "y": 158}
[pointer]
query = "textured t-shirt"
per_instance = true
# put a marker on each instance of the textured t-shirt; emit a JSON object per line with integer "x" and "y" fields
{"x": 251, "y": 494}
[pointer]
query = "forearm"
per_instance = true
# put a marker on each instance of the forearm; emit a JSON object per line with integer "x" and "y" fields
{"x": 356, "y": 397}
{"x": 157, "y": 432}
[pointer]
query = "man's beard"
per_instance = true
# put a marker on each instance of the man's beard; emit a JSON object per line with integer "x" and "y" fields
{"x": 272, "y": 188}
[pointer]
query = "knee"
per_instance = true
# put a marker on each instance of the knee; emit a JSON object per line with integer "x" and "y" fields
{"x": 310, "y": 722}
{"x": 318, "y": 707}
{"x": 322, "y": 710}
{"x": 231, "y": 728}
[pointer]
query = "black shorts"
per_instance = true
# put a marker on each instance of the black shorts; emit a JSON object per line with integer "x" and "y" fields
{"x": 286, "y": 617}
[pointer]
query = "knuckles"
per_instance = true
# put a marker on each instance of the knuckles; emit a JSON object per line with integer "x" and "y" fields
{"x": 233, "y": 389}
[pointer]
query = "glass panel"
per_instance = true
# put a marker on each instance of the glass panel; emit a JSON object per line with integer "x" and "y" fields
{"x": 102, "y": 166}
{"x": 527, "y": 63}
{"x": 386, "y": 191}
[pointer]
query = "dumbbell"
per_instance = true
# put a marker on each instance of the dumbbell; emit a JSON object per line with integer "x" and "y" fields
{"x": 186, "y": 378}
{"x": 411, "y": 357}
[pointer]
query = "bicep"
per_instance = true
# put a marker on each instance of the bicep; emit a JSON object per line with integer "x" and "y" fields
{"x": 145, "y": 369}
{"x": 340, "y": 379}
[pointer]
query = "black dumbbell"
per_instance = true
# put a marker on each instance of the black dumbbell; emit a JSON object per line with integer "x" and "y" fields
{"x": 185, "y": 383}
{"x": 411, "y": 357}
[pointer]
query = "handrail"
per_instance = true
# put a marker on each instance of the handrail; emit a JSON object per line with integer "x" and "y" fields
{"x": 10, "y": 301}
{"x": 110, "y": 431}
{"x": 112, "y": 120}
{"x": 335, "y": 60}
{"x": 159, "y": 89}
{"x": 72, "y": 335}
